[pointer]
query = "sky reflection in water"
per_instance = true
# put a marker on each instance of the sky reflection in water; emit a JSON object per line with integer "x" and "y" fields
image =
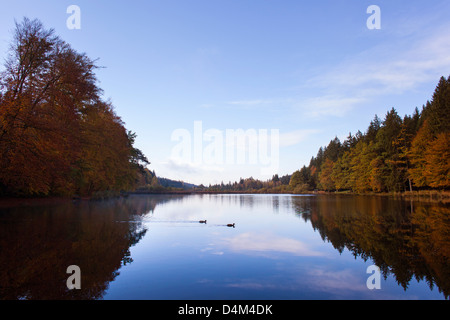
{"x": 282, "y": 247}
{"x": 272, "y": 253}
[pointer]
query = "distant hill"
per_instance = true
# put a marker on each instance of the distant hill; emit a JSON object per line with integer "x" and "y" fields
{"x": 149, "y": 181}
{"x": 168, "y": 183}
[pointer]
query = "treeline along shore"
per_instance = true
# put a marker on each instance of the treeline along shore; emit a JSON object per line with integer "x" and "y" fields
{"x": 423, "y": 195}
{"x": 409, "y": 155}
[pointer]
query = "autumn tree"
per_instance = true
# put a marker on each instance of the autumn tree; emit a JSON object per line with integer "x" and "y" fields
{"x": 341, "y": 171}
{"x": 325, "y": 177}
{"x": 393, "y": 176}
{"x": 35, "y": 127}
{"x": 437, "y": 169}
{"x": 361, "y": 158}
{"x": 56, "y": 134}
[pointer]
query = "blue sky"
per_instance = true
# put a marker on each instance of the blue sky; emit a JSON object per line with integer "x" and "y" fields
{"x": 310, "y": 69}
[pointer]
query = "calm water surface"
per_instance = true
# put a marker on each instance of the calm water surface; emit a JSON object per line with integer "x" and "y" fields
{"x": 282, "y": 247}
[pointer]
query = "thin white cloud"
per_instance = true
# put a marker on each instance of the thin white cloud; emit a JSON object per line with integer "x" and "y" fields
{"x": 292, "y": 138}
{"x": 329, "y": 106}
{"x": 248, "y": 103}
{"x": 338, "y": 282}
{"x": 256, "y": 243}
{"x": 254, "y": 285}
{"x": 275, "y": 102}
{"x": 190, "y": 168}
{"x": 385, "y": 69}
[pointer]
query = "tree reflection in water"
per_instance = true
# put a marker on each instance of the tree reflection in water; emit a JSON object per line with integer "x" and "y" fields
{"x": 403, "y": 238}
{"x": 38, "y": 243}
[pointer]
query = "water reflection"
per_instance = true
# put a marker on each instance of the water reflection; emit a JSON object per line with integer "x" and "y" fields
{"x": 271, "y": 254}
{"x": 407, "y": 240}
{"x": 255, "y": 201}
{"x": 268, "y": 244}
{"x": 39, "y": 242}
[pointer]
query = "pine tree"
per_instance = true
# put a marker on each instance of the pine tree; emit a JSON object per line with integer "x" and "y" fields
{"x": 438, "y": 111}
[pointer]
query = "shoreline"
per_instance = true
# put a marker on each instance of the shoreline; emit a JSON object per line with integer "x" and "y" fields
{"x": 16, "y": 201}
{"x": 423, "y": 195}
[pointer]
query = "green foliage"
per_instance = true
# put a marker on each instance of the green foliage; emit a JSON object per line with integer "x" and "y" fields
{"x": 296, "y": 179}
{"x": 438, "y": 111}
{"x": 325, "y": 177}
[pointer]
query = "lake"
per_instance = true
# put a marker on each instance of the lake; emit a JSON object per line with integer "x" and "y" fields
{"x": 282, "y": 247}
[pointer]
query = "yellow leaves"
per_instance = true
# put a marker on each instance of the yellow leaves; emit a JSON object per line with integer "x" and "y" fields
{"x": 430, "y": 159}
{"x": 325, "y": 176}
{"x": 437, "y": 161}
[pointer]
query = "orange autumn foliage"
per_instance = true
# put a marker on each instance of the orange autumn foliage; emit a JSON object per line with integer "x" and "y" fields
{"x": 56, "y": 135}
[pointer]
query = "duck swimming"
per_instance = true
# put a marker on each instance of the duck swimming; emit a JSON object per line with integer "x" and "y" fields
{"x": 230, "y": 225}
{"x": 202, "y": 221}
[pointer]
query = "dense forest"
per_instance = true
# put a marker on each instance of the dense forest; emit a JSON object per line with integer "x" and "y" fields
{"x": 251, "y": 185}
{"x": 149, "y": 182}
{"x": 57, "y": 135}
{"x": 393, "y": 155}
